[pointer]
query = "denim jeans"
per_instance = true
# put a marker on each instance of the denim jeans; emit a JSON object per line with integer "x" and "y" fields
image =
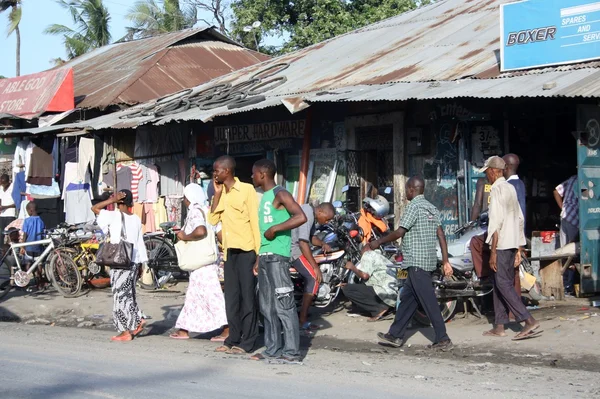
{"x": 277, "y": 305}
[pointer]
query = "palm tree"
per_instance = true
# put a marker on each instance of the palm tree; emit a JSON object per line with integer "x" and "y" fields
{"x": 151, "y": 18}
{"x": 91, "y": 31}
{"x": 14, "y": 19}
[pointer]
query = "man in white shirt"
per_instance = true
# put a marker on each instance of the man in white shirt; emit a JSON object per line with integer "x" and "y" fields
{"x": 7, "y": 204}
{"x": 505, "y": 236}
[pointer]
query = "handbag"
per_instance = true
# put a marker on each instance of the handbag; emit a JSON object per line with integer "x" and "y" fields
{"x": 116, "y": 256}
{"x": 192, "y": 255}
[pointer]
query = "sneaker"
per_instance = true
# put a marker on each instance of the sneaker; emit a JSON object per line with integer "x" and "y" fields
{"x": 443, "y": 346}
{"x": 389, "y": 339}
{"x": 286, "y": 360}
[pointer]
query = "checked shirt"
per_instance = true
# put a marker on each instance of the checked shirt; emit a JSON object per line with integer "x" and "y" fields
{"x": 420, "y": 220}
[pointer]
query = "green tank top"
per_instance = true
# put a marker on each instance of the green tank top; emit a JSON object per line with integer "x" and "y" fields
{"x": 269, "y": 216}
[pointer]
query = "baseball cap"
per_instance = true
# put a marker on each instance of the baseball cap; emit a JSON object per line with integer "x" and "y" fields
{"x": 494, "y": 162}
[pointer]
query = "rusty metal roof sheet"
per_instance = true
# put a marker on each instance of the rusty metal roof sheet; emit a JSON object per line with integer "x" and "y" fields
{"x": 449, "y": 49}
{"x": 140, "y": 70}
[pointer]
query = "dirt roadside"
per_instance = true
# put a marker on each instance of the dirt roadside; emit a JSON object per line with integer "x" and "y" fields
{"x": 571, "y": 338}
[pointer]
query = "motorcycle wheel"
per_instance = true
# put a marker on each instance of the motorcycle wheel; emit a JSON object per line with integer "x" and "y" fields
{"x": 447, "y": 308}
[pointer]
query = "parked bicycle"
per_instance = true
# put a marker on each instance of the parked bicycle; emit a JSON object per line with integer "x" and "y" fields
{"x": 57, "y": 267}
{"x": 162, "y": 259}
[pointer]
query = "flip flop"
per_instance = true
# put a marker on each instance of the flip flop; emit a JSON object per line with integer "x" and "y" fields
{"x": 493, "y": 334}
{"x": 218, "y": 338}
{"x": 177, "y": 336}
{"x": 257, "y": 356}
{"x": 531, "y": 334}
{"x": 222, "y": 349}
{"x": 236, "y": 350}
{"x": 309, "y": 326}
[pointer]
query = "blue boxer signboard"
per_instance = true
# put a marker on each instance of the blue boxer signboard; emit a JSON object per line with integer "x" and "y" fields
{"x": 537, "y": 33}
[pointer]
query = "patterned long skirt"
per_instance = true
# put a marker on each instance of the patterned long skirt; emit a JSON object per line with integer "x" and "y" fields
{"x": 126, "y": 314}
{"x": 204, "y": 307}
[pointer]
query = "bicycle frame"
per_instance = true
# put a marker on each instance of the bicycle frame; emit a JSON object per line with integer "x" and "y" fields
{"x": 40, "y": 259}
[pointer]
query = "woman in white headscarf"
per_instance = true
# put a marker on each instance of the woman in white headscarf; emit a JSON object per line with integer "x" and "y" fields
{"x": 204, "y": 308}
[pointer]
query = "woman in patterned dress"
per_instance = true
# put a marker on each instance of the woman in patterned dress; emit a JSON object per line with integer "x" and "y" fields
{"x": 127, "y": 316}
{"x": 204, "y": 308}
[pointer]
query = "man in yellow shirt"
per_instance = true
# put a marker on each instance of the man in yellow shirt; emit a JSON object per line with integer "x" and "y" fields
{"x": 235, "y": 205}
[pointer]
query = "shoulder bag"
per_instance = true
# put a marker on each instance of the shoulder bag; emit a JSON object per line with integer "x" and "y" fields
{"x": 192, "y": 255}
{"x": 116, "y": 256}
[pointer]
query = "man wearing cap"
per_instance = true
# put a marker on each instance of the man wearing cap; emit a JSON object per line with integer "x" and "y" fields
{"x": 505, "y": 236}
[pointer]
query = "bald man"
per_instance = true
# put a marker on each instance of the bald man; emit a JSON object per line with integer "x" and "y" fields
{"x": 419, "y": 227}
{"x": 510, "y": 174}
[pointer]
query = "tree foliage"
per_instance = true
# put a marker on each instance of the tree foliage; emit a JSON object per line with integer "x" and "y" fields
{"x": 91, "y": 20}
{"x": 305, "y": 22}
{"x": 14, "y": 19}
{"x": 217, "y": 10}
{"x": 151, "y": 18}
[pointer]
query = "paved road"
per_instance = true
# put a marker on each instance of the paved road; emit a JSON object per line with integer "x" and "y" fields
{"x": 56, "y": 362}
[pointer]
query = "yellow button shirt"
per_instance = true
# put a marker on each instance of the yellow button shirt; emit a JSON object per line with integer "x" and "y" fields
{"x": 238, "y": 213}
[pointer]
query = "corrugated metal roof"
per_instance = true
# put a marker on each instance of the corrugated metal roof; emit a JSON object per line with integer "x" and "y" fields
{"x": 449, "y": 49}
{"x": 140, "y": 70}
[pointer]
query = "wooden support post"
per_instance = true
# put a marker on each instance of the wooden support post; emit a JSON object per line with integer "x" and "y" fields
{"x": 552, "y": 280}
{"x": 304, "y": 160}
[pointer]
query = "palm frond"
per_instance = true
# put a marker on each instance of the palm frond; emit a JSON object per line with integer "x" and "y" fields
{"x": 14, "y": 19}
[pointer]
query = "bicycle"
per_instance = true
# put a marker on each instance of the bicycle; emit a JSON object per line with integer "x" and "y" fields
{"x": 162, "y": 259}
{"x": 59, "y": 269}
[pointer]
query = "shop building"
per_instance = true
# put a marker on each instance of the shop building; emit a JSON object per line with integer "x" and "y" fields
{"x": 420, "y": 93}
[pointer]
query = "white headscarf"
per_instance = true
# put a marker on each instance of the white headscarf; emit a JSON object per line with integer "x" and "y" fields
{"x": 195, "y": 194}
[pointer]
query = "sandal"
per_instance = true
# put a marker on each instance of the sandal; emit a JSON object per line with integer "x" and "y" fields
{"x": 177, "y": 336}
{"x": 218, "y": 338}
{"x": 382, "y": 316}
{"x": 236, "y": 350}
{"x": 257, "y": 356}
{"x": 222, "y": 349}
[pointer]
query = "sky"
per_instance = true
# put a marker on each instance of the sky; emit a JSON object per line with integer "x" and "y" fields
{"x": 38, "y": 49}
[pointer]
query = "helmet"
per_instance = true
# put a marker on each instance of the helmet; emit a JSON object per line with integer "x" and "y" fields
{"x": 379, "y": 206}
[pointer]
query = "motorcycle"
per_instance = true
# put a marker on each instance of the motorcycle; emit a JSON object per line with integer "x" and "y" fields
{"x": 343, "y": 235}
{"x": 464, "y": 282}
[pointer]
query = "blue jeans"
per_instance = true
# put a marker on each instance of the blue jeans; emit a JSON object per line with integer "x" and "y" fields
{"x": 277, "y": 305}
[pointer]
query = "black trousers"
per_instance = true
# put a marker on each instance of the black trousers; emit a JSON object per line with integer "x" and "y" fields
{"x": 240, "y": 299}
{"x": 365, "y": 298}
{"x": 418, "y": 290}
{"x": 505, "y": 296}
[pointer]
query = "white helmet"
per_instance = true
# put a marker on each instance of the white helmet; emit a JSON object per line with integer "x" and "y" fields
{"x": 379, "y": 207}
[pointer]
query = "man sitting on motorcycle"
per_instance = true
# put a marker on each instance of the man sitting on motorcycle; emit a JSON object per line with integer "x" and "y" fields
{"x": 371, "y": 217}
{"x": 379, "y": 292}
{"x": 302, "y": 258}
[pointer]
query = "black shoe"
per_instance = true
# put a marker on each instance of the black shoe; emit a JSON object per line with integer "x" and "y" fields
{"x": 443, "y": 346}
{"x": 389, "y": 339}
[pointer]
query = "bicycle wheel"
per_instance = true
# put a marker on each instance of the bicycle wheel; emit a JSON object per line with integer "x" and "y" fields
{"x": 64, "y": 275}
{"x": 159, "y": 250}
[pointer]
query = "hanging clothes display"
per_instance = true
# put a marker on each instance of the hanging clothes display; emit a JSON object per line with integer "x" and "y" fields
{"x": 170, "y": 179}
{"x": 41, "y": 167}
{"x": 19, "y": 188}
{"x": 124, "y": 177}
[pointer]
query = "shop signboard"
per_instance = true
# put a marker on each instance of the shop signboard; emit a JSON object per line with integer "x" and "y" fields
{"x": 252, "y": 133}
{"x": 538, "y": 33}
{"x": 29, "y": 96}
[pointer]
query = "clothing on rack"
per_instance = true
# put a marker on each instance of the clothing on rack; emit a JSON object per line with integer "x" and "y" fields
{"x": 170, "y": 181}
{"x": 173, "y": 205}
{"x": 78, "y": 206}
{"x": 152, "y": 184}
{"x": 41, "y": 167}
{"x": 150, "y": 218}
{"x": 124, "y": 177}
{"x": 38, "y": 191}
{"x": 160, "y": 212}
{"x": 18, "y": 188}
{"x": 20, "y": 157}
{"x": 136, "y": 178}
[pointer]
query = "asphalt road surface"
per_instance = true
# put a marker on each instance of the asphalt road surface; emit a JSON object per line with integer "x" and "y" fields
{"x": 55, "y": 362}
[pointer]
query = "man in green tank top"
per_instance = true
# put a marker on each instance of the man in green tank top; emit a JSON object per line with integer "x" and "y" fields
{"x": 278, "y": 214}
